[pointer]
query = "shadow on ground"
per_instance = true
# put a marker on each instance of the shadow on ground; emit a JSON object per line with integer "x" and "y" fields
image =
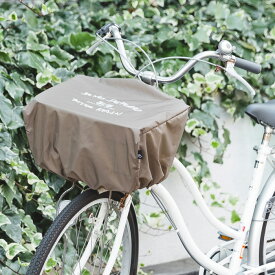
{"x": 181, "y": 267}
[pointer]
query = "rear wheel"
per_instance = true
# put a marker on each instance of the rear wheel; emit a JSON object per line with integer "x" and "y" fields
{"x": 219, "y": 254}
{"x": 81, "y": 238}
{"x": 267, "y": 239}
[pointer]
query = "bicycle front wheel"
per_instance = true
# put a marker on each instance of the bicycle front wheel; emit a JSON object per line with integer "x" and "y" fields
{"x": 81, "y": 238}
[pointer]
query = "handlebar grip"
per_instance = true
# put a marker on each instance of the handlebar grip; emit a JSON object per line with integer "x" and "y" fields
{"x": 248, "y": 65}
{"x": 106, "y": 28}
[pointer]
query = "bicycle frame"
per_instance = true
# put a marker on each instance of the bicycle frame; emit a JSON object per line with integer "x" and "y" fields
{"x": 239, "y": 236}
{"x": 166, "y": 201}
{"x": 249, "y": 228}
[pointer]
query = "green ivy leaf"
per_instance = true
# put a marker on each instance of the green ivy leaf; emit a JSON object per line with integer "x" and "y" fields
{"x": 212, "y": 109}
{"x": 3, "y": 244}
{"x": 81, "y": 41}
{"x": 61, "y": 54}
{"x": 182, "y": 2}
{"x": 191, "y": 124}
{"x": 171, "y": 90}
{"x": 218, "y": 9}
{"x": 226, "y": 137}
{"x": 14, "y": 249}
{"x": 32, "y": 60}
{"x": 76, "y": 64}
{"x": 4, "y": 220}
{"x": 31, "y": 19}
{"x": 204, "y": 119}
{"x": 36, "y": 239}
{"x": 63, "y": 74}
{"x": 199, "y": 78}
{"x": 272, "y": 33}
{"x": 235, "y": 217}
{"x": 212, "y": 196}
{"x": 13, "y": 16}
{"x": 27, "y": 220}
{"x": 154, "y": 215}
{"x": 43, "y": 78}
{"x": 165, "y": 32}
{"x": 6, "y": 154}
{"x": 49, "y": 7}
{"x": 216, "y": 204}
{"x": 14, "y": 231}
{"x": 12, "y": 265}
{"x": 47, "y": 211}
{"x": 34, "y": 44}
{"x": 23, "y": 83}
{"x": 237, "y": 21}
{"x": 9, "y": 115}
{"x": 206, "y": 187}
{"x": 214, "y": 80}
{"x": 192, "y": 41}
{"x": 16, "y": 92}
{"x": 7, "y": 193}
{"x": 203, "y": 33}
{"x": 215, "y": 143}
{"x": 204, "y": 170}
{"x": 23, "y": 264}
{"x": 20, "y": 167}
{"x": 40, "y": 187}
{"x": 85, "y": 272}
{"x": 55, "y": 182}
{"x": 32, "y": 178}
{"x": 5, "y": 57}
{"x": 233, "y": 200}
{"x": 199, "y": 132}
{"x": 5, "y": 139}
{"x": 51, "y": 263}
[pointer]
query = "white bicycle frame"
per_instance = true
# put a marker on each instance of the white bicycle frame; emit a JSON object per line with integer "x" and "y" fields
{"x": 240, "y": 236}
{"x": 250, "y": 224}
{"x": 252, "y": 218}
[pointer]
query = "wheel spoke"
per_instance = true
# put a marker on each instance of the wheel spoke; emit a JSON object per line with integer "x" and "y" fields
{"x": 267, "y": 243}
{"x": 85, "y": 240}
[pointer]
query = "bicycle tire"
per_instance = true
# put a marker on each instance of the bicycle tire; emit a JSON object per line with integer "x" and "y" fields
{"x": 206, "y": 272}
{"x": 264, "y": 238}
{"x": 62, "y": 221}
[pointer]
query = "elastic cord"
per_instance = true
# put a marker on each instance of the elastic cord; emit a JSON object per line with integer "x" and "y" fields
{"x": 136, "y": 45}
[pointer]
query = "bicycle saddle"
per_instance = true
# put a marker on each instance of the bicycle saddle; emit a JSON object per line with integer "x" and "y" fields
{"x": 263, "y": 113}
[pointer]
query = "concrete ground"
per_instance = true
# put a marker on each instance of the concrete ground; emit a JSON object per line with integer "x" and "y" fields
{"x": 180, "y": 267}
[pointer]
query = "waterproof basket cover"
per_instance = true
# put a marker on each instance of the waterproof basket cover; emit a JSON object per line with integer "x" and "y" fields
{"x": 117, "y": 134}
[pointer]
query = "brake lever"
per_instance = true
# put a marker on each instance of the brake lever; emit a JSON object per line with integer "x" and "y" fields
{"x": 104, "y": 32}
{"x": 97, "y": 43}
{"x": 229, "y": 68}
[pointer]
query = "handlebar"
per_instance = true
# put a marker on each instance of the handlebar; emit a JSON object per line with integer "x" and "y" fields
{"x": 149, "y": 77}
{"x": 224, "y": 53}
{"x": 248, "y": 65}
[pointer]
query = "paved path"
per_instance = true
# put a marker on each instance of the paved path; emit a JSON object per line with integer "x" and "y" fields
{"x": 181, "y": 267}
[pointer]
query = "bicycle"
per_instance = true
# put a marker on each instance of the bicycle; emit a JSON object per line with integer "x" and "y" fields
{"x": 75, "y": 241}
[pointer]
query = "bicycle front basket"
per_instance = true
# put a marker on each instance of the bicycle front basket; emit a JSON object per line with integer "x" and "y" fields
{"x": 119, "y": 134}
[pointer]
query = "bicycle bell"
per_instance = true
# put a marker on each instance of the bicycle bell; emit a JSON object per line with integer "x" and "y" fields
{"x": 225, "y": 47}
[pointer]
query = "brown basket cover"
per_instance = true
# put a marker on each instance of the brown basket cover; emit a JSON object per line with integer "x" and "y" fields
{"x": 119, "y": 134}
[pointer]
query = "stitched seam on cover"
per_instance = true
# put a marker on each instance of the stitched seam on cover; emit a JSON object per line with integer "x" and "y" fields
{"x": 187, "y": 110}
